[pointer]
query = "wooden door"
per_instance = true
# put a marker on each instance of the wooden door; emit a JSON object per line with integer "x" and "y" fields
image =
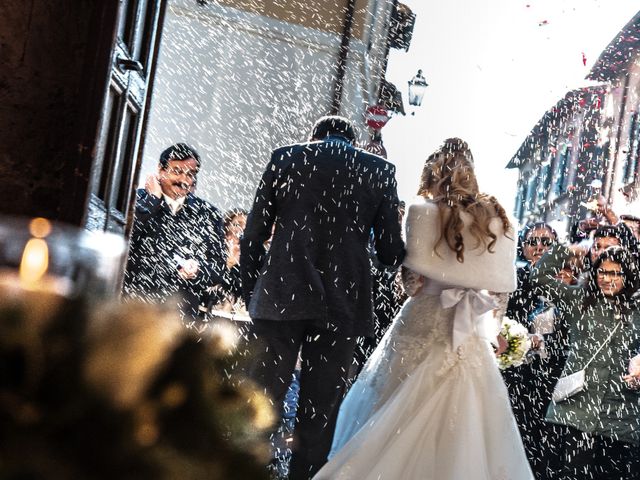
{"x": 117, "y": 162}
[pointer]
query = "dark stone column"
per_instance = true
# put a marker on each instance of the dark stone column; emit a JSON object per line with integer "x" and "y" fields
{"x": 47, "y": 60}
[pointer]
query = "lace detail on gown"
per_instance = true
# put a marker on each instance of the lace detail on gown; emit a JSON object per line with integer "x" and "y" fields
{"x": 401, "y": 350}
{"x": 466, "y": 357}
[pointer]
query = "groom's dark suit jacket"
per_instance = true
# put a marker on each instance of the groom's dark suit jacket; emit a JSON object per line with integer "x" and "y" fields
{"x": 324, "y": 199}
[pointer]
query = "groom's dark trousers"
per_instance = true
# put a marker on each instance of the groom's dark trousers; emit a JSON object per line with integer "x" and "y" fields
{"x": 326, "y": 359}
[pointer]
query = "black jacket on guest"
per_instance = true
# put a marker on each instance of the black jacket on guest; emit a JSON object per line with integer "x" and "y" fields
{"x": 321, "y": 200}
{"x": 160, "y": 241}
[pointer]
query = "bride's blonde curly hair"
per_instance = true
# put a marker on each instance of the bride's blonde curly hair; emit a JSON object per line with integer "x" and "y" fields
{"x": 449, "y": 180}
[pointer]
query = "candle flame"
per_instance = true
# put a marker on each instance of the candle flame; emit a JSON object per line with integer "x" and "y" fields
{"x": 35, "y": 261}
{"x": 40, "y": 227}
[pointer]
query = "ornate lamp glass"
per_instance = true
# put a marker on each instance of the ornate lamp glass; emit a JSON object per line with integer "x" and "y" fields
{"x": 417, "y": 87}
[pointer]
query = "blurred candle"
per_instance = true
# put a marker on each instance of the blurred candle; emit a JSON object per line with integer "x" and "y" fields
{"x": 51, "y": 274}
{"x": 35, "y": 261}
{"x": 40, "y": 255}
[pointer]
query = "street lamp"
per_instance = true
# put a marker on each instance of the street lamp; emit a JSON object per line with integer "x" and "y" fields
{"x": 417, "y": 86}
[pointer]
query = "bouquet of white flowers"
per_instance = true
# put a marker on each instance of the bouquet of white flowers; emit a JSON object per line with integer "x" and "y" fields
{"x": 518, "y": 344}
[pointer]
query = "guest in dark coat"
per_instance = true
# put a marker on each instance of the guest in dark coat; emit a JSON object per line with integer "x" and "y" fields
{"x": 534, "y": 240}
{"x": 176, "y": 248}
{"x": 312, "y": 290}
{"x": 603, "y": 237}
{"x": 388, "y": 296}
{"x": 530, "y": 385}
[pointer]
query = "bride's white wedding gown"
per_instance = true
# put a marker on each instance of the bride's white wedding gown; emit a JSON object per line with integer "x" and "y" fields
{"x": 423, "y": 410}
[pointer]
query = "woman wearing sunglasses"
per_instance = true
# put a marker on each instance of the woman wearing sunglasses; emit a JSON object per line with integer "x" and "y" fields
{"x": 602, "y": 413}
{"x": 530, "y": 384}
{"x": 534, "y": 240}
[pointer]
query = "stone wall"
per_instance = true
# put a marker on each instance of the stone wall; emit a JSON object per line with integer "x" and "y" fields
{"x": 43, "y": 60}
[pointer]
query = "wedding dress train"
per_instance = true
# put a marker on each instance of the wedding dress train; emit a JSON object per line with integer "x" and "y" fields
{"x": 422, "y": 409}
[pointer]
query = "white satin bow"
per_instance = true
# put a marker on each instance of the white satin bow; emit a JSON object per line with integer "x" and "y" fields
{"x": 470, "y": 305}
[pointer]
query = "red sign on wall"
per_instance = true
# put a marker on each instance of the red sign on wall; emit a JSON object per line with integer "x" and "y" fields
{"x": 376, "y": 116}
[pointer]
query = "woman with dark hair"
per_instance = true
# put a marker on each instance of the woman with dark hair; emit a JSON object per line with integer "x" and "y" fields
{"x": 603, "y": 237}
{"x": 601, "y": 413}
{"x": 606, "y": 236}
{"x": 224, "y": 300}
{"x": 430, "y": 402}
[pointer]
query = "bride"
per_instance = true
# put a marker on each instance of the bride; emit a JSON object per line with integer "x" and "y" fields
{"x": 430, "y": 403}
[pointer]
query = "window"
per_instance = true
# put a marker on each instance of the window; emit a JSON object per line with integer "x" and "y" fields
{"x": 631, "y": 160}
{"x": 530, "y": 199}
{"x": 560, "y": 174}
{"x": 518, "y": 210}
{"x": 544, "y": 183}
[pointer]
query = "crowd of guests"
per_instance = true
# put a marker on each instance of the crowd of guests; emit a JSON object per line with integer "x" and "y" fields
{"x": 578, "y": 301}
{"x": 182, "y": 248}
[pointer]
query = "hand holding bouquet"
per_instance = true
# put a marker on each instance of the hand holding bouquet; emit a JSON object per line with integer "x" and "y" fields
{"x": 517, "y": 341}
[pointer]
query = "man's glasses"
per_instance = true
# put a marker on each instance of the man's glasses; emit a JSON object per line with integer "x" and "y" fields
{"x": 544, "y": 241}
{"x": 610, "y": 273}
{"x": 179, "y": 171}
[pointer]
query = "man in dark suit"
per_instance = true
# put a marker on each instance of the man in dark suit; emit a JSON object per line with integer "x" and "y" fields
{"x": 177, "y": 247}
{"x": 312, "y": 289}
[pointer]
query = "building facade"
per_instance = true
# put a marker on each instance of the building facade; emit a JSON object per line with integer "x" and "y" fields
{"x": 619, "y": 66}
{"x": 237, "y": 78}
{"x": 560, "y": 161}
{"x": 588, "y": 144}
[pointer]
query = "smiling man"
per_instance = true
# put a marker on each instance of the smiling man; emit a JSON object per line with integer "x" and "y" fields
{"x": 177, "y": 248}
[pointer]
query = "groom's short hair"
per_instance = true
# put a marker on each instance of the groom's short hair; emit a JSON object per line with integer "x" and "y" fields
{"x": 333, "y": 125}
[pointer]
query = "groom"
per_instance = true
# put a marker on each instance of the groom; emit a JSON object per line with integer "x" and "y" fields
{"x": 311, "y": 291}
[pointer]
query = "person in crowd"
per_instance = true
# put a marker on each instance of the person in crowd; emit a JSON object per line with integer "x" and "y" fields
{"x": 221, "y": 306}
{"x": 533, "y": 242}
{"x": 579, "y": 232}
{"x": 603, "y": 237}
{"x": 600, "y": 213}
{"x": 235, "y": 221}
{"x": 388, "y": 296}
{"x": 176, "y": 248}
{"x": 633, "y": 223}
{"x": 430, "y": 402}
{"x": 529, "y": 384}
{"x": 605, "y": 229}
{"x": 311, "y": 291}
{"x": 227, "y": 297}
{"x": 601, "y": 413}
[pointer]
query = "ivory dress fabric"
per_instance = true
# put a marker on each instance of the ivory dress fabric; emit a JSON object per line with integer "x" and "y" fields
{"x": 430, "y": 403}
